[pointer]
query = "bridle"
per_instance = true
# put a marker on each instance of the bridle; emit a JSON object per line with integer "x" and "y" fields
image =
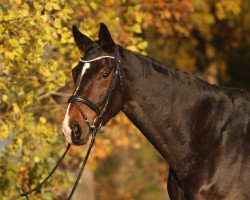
{"x": 74, "y": 99}
{"x": 94, "y": 127}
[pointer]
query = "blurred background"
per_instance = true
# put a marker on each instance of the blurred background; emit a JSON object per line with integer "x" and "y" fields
{"x": 210, "y": 39}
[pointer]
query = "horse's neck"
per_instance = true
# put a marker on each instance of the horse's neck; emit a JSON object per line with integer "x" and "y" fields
{"x": 159, "y": 103}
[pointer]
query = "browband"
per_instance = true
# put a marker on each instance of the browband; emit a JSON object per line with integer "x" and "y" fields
{"x": 98, "y": 58}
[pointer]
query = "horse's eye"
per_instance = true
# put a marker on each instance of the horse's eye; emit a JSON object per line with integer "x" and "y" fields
{"x": 104, "y": 75}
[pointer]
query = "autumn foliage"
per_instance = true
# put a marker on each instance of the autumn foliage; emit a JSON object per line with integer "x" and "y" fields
{"x": 37, "y": 53}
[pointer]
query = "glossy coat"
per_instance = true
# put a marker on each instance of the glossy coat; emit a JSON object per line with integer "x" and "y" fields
{"x": 201, "y": 130}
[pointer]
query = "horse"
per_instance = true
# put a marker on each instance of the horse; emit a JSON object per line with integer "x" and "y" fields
{"x": 201, "y": 130}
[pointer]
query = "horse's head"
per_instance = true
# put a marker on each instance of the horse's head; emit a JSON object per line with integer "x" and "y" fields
{"x": 97, "y": 77}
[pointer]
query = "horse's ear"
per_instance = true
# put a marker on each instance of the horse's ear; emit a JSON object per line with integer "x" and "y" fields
{"x": 105, "y": 38}
{"x": 82, "y": 41}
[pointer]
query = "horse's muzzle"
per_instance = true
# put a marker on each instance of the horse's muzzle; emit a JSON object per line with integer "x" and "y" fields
{"x": 76, "y": 134}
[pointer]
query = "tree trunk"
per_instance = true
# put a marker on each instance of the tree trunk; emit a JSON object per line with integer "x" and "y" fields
{"x": 85, "y": 189}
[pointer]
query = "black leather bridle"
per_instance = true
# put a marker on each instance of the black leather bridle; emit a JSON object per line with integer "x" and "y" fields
{"x": 97, "y": 122}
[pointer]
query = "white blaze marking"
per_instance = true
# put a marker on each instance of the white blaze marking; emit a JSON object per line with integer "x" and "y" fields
{"x": 85, "y": 67}
{"x": 65, "y": 126}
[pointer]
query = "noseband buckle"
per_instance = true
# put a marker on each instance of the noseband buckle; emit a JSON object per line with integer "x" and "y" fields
{"x": 98, "y": 126}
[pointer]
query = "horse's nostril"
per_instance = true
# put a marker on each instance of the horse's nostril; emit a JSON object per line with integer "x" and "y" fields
{"x": 76, "y": 129}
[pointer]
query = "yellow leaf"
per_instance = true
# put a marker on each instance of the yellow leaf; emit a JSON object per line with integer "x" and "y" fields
{"x": 4, "y": 130}
{"x": 57, "y": 23}
{"x": 15, "y": 108}
{"x": 42, "y": 120}
{"x": 48, "y": 6}
{"x": 36, "y": 159}
{"x": 71, "y": 40}
{"x": 136, "y": 28}
{"x": 24, "y": 12}
{"x": 22, "y": 40}
{"x": 74, "y": 65}
{"x": 93, "y": 5}
{"x": 56, "y": 6}
{"x": 4, "y": 98}
{"x": 38, "y": 6}
{"x": 138, "y": 18}
{"x": 44, "y": 18}
{"x": 9, "y": 55}
{"x": 1, "y": 15}
{"x": 133, "y": 48}
{"x": 18, "y": 2}
{"x": 1, "y": 48}
{"x": 47, "y": 72}
{"x": 142, "y": 45}
{"x": 13, "y": 42}
{"x": 167, "y": 14}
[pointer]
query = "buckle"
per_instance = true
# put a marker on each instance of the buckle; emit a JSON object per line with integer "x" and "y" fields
{"x": 97, "y": 126}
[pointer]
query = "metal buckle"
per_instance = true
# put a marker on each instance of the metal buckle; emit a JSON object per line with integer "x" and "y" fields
{"x": 97, "y": 127}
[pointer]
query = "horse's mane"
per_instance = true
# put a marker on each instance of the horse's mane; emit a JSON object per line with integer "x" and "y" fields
{"x": 166, "y": 69}
{"x": 175, "y": 72}
{"x": 153, "y": 61}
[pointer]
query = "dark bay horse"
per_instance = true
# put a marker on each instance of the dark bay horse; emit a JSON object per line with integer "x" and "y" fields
{"x": 202, "y": 130}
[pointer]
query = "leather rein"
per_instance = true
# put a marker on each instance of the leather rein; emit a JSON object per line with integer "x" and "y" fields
{"x": 94, "y": 127}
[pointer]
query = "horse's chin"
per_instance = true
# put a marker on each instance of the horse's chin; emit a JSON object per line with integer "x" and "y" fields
{"x": 80, "y": 142}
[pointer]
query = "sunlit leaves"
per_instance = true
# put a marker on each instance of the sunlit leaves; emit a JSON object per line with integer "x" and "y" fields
{"x": 37, "y": 53}
{"x": 29, "y": 72}
{"x": 38, "y": 50}
{"x": 227, "y": 8}
{"x": 49, "y": 6}
{"x": 185, "y": 29}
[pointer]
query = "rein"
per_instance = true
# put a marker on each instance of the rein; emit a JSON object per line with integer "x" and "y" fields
{"x": 94, "y": 127}
{"x": 38, "y": 187}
